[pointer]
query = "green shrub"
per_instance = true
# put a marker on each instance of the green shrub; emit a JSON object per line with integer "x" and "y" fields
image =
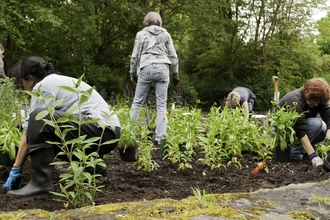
{"x": 10, "y": 115}
{"x": 281, "y": 121}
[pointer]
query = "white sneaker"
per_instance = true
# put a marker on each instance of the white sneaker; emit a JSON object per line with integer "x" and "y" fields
{"x": 317, "y": 161}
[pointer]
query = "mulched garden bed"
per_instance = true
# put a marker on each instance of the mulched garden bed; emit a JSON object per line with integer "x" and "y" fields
{"x": 124, "y": 183}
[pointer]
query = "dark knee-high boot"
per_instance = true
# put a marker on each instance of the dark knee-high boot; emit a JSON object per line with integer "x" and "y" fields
{"x": 41, "y": 174}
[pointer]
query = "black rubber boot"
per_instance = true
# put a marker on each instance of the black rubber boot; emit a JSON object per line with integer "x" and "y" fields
{"x": 41, "y": 174}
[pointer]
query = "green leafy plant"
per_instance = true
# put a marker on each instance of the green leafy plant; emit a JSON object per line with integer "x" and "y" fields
{"x": 210, "y": 146}
{"x": 78, "y": 187}
{"x": 322, "y": 149}
{"x": 202, "y": 197}
{"x": 281, "y": 122}
{"x": 184, "y": 125}
{"x": 9, "y": 139}
{"x": 10, "y": 116}
{"x": 129, "y": 129}
{"x": 255, "y": 139}
{"x": 264, "y": 149}
{"x": 150, "y": 119}
{"x": 227, "y": 136}
{"x": 144, "y": 159}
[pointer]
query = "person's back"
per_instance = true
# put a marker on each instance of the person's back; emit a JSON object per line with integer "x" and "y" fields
{"x": 155, "y": 49}
{"x": 93, "y": 107}
{"x": 152, "y": 57}
{"x": 245, "y": 94}
{"x": 243, "y": 97}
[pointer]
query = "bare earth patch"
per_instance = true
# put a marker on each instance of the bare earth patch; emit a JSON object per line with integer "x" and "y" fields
{"x": 124, "y": 183}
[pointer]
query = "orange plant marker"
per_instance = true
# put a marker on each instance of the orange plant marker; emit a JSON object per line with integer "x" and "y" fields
{"x": 259, "y": 167}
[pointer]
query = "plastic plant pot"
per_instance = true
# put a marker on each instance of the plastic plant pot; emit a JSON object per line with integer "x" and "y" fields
{"x": 283, "y": 156}
{"x": 4, "y": 159}
{"x": 128, "y": 154}
{"x": 326, "y": 163}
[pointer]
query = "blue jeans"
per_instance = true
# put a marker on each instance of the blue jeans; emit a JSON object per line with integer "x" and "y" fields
{"x": 159, "y": 74}
{"x": 316, "y": 131}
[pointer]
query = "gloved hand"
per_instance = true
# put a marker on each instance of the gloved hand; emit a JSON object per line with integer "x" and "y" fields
{"x": 132, "y": 77}
{"x": 15, "y": 179}
{"x": 317, "y": 161}
{"x": 176, "y": 79}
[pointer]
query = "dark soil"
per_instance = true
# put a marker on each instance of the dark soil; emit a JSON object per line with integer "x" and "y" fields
{"x": 124, "y": 183}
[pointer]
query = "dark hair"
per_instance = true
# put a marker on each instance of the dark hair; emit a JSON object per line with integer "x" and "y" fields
{"x": 35, "y": 66}
{"x": 317, "y": 89}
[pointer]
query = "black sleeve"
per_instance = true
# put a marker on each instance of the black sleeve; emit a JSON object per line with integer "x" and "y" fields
{"x": 324, "y": 110}
{"x": 296, "y": 99}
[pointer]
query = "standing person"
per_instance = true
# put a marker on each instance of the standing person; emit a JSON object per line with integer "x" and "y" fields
{"x": 2, "y": 66}
{"x": 34, "y": 73}
{"x": 244, "y": 97}
{"x": 153, "y": 55}
{"x": 311, "y": 100}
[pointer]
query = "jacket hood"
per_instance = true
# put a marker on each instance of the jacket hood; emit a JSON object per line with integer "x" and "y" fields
{"x": 154, "y": 29}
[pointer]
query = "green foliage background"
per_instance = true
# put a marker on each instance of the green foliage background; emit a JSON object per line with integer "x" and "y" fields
{"x": 221, "y": 44}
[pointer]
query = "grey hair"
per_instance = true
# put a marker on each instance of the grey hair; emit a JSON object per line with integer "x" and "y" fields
{"x": 152, "y": 18}
{"x": 233, "y": 100}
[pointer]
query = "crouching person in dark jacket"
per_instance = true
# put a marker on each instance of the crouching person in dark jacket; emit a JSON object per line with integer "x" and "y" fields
{"x": 311, "y": 100}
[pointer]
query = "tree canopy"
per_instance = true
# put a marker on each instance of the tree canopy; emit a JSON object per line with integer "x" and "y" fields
{"x": 221, "y": 43}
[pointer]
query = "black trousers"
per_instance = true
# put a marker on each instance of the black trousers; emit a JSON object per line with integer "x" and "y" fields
{"x": 39, "y": 133}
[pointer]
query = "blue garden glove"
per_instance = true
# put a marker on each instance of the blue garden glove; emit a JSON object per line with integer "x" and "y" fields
{"x": 15, "y": 179}
{"x": 176, "y": 79}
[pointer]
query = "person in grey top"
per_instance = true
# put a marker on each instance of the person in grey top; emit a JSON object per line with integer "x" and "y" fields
{"x": 244, "y": 97}
{"x": 153, "y": 55}
{"x": 2, "y": 66}
{"x": 34, "y": 73}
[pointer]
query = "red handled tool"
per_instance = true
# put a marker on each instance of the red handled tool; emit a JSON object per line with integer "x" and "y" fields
{"x": 259, "y": 167}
